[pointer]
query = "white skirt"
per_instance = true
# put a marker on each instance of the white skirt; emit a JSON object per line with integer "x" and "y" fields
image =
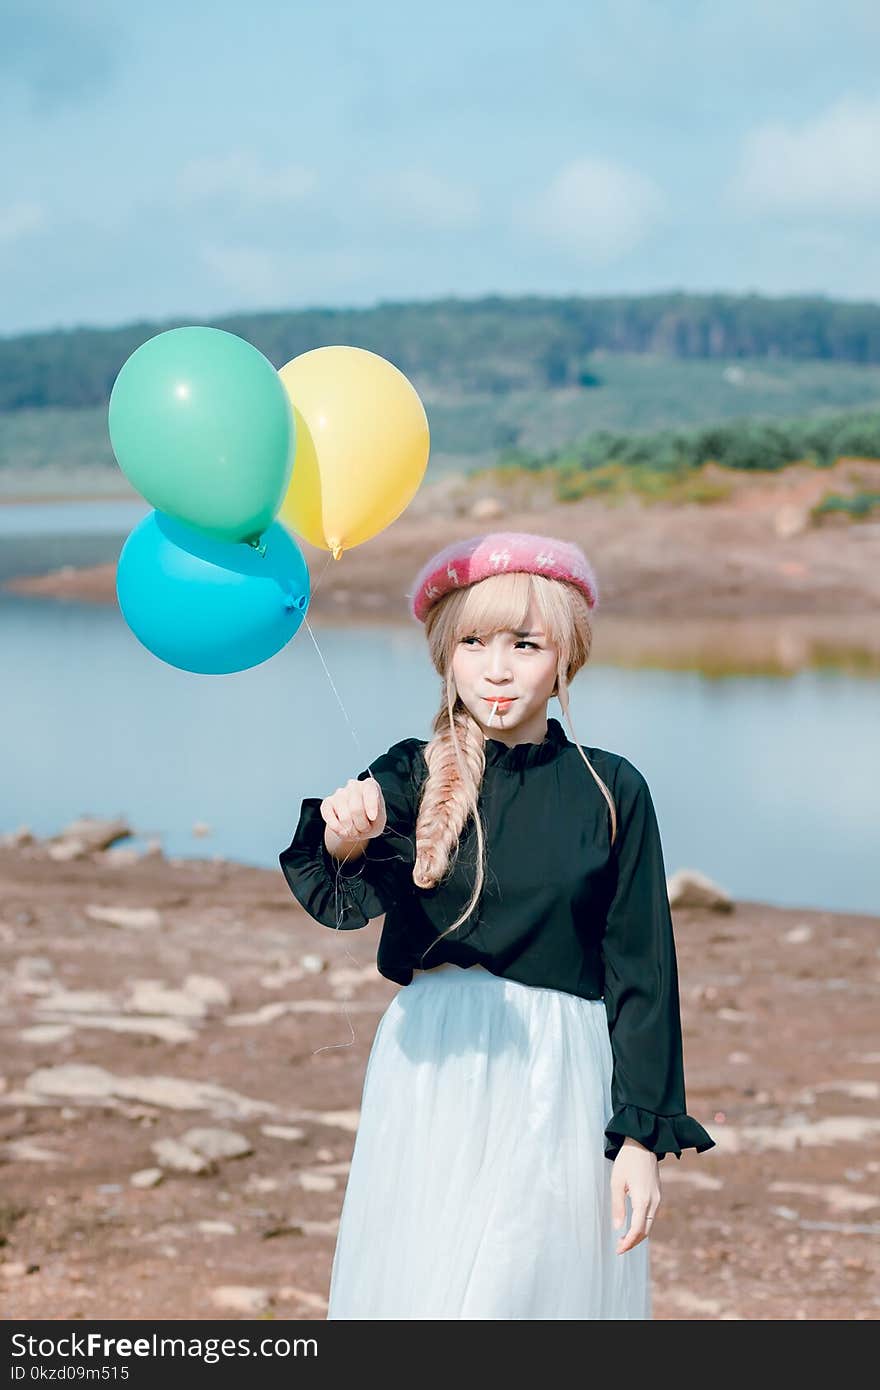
{"x": 479, "y": 1187}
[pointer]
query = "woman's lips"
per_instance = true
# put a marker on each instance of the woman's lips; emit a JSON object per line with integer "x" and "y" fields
{"x": 498, "y": 700}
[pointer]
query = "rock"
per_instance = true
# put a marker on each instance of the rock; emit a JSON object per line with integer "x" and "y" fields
{"x": 207, "y": 988}
{"x": 118, "y": 857}
{"x": 95, "y": 834}
{"x": 314, "y": 964}
{"x": 44, "y": 1033}
{"x": 63, "y": 851}
{"x": 74, "y": 1079}
{"x": 146, "y": 1177}
{"x": 151, "y": 997}
{"x": 178, "y": 1157}
{"x": 216, "y": 1228}
{"x": 76, "y": 1001}
{"x": 217, "y": 1143}
{"x": 316, "y": 1182}
{"x": 26, "y": 1151}
{"x": 277, "y": 979}
{"x": 168, "y": 1029}
{"x": 291, "y": 1132}
{"x": 305, "y": 1296}
{"x": 95, "y": 1084}
{"x": 799, "y": 934}
{"x": 266, "y": 1013}
{"x": 341, "y": 1119}
{"x": 486, "y": 509}
{"x": 257, "y": 1184}
{"x": 690, "y": 888}
{"x": 15, "y": 839}
{"x": 240, "y": 1298}
{"x": 134, "y": 918}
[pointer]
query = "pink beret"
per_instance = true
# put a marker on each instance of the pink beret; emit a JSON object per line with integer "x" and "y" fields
{"x": 466, "y": 562}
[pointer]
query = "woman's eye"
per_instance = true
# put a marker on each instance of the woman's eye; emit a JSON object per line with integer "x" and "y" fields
{"x": 521, "y": 643}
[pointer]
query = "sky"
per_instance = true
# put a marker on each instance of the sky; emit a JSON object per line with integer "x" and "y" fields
{"x": 189, "y": 161}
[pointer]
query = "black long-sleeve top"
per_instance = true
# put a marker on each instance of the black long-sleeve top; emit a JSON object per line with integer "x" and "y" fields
{"x": 561, "y": 907}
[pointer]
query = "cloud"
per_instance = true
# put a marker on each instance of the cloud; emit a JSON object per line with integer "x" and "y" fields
{"x": 421, "y": 198}
{"x": 18, "y": 220}
{"x": 60, "y": 55}
{"x": 243, "y": 176}
{"x": 257, "y": 273}
{"x": 596, "y": 210}
{"x": 828, "y": 163}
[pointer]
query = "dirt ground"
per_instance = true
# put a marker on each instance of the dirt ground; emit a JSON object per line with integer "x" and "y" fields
{"x": 229, "y": 995}
{"x": 754, "y": 555}
{"x": 230, "y": 1009}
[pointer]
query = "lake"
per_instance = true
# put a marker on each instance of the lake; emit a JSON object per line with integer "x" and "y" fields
{"x": 767, "y": 784}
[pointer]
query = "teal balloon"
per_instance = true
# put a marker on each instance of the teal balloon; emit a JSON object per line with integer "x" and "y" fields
{"x": 201, "y": 426}
{"x": 210, "y": 606}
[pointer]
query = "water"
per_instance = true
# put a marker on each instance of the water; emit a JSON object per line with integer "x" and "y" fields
{"x": 767, "y": 785}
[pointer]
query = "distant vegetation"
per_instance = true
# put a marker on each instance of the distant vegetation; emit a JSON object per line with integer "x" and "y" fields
{"x": 860, "y": 505}
{"x": 491, "y": 346}
{"x": 599, "y": 395}
{"x": 668, "y": 464}
{"x": 746, "y": 444}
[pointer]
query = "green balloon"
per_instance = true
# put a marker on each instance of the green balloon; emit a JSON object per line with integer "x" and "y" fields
{"x": 201, "y": 425}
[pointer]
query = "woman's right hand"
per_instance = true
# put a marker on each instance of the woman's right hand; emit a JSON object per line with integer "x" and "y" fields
{"x": 356, "y": 811}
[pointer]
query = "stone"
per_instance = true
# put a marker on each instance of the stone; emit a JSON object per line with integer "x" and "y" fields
{"x": 132, "y": 918}
{"x": 690, "y": 888}
{"x": 240, "y": 1298}
{"x": 146, "y": 1177}
{"x": 16, "y": 839}
{"x": 217, "y": 1143}
{"x": 95, "y": 833}
{"x": 172, "y": 1154}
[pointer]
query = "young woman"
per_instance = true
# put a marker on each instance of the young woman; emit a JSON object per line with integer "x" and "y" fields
{"x": 524, "y": 1086}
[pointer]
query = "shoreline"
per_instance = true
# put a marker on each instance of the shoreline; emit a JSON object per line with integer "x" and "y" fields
{"x": 675, "y": 583}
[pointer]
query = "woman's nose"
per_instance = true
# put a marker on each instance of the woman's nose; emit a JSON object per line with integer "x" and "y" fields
{"x": 499, "y": 666}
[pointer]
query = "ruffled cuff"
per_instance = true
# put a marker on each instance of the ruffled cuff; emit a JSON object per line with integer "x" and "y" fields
{"x": 336, "y": 893}
{"x": 662, "y": 1134}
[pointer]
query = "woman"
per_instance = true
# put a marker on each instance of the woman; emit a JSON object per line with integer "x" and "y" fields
{"x": 528, "y": 1080}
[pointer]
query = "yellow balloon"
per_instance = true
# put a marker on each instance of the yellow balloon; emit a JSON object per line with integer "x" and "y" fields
{"x": 362, "y": 444}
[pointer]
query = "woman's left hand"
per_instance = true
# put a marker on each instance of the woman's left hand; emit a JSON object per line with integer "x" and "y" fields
{"x": 635, "y": 1171}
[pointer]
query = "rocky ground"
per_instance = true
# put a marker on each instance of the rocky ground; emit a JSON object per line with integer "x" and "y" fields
{"x": 184, "y": 1048}
{"x": 183, "y": 1056}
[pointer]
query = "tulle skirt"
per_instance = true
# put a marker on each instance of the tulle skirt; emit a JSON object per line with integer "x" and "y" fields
{"x": 478, "y": 1185}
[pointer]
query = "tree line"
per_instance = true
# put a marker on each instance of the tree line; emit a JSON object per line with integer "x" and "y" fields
{"x": 494, "y": 345}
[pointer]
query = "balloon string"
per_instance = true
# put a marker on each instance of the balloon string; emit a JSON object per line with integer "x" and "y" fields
{"x": 340, "y": 907}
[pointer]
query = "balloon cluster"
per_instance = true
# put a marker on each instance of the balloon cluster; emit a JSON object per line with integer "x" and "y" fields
{"x": 234, "y": 457}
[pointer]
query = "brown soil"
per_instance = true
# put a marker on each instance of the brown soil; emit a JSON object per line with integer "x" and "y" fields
{"x": 781, "y": 1055}
{"x": 721, "y": 560}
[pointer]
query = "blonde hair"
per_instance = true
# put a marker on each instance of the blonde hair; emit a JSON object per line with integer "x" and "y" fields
{"x": 456, "y": 755}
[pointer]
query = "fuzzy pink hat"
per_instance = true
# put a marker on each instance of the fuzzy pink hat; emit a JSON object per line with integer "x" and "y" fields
{"x": 466, "y": 562}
